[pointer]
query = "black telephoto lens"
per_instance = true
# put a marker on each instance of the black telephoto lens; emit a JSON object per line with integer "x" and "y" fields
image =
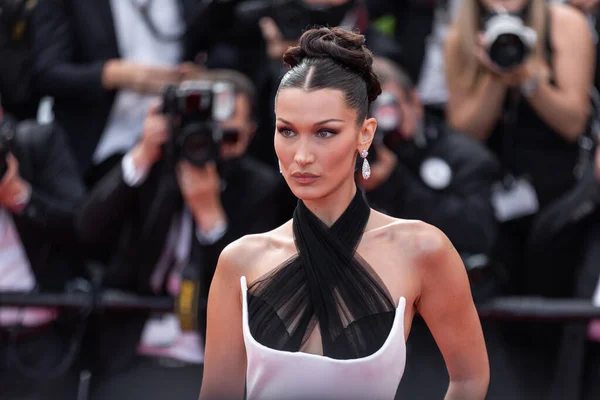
{"x": 508, "y": 51}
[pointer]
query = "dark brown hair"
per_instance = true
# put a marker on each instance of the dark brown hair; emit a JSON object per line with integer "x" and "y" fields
{"x": 333, "y": 58}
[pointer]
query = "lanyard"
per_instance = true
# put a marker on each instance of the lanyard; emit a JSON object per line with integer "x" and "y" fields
{"x": 143, "y": 7}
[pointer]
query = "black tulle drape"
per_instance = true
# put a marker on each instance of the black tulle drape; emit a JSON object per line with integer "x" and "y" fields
{"x": 326, "y": 283}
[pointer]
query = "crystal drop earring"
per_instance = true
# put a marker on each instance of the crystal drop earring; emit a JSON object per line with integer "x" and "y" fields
{"x": 366, "y": 168}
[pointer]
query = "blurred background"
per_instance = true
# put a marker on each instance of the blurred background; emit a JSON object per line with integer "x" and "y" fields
{"x": 487, "y": 128}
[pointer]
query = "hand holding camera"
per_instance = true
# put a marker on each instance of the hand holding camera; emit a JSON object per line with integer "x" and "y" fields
{"x": 196, "y": 111}
{"x": 505, "y": 48}
{"x": 190, "y": 71}
{"x": 516, "y": 75}
{"x": 121, "y": 74}
{"x": 200, "y": 188}
{"x": 14, "y": 191}
{"x": 149, "y": 149}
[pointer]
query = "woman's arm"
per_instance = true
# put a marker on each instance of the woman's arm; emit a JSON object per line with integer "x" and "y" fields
{"x": 225, "y": 354}
{"x": 59, "y": 75}
{"x": 472, "y": 111}
{"x": 566, "y": 106}
{"x": 446, "y": 305}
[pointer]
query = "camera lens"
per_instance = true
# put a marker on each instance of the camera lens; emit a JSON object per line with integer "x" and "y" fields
{"x": 508, "y": 51}
{"x": 196, "y": 144}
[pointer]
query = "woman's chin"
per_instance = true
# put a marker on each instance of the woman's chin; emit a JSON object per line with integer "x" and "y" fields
{"x": 307, "y": 192}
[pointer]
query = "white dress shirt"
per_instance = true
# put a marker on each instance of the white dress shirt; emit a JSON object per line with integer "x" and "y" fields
{"x": 136, "y": 43}
{"x": 16, "y": 276}
{"x": 162, "y": 335}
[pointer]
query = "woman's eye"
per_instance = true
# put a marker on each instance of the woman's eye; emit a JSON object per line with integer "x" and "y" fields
{"x": 325, "y": 134}
{"x": 285, "y": 132}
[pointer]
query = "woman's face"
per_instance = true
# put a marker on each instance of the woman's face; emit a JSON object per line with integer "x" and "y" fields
{"x": 507, "y": 5}
{"x": 317, "y": 139}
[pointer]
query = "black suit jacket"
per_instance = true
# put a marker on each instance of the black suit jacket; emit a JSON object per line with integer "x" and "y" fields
{"x": 46, "y": 224}
{"x": 570, "y": 372}
{"x": 72, "y": 40}
{"x": 134, "y": 222}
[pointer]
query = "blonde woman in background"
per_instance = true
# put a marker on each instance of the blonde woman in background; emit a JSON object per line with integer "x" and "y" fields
{"x": 531, "y": 116}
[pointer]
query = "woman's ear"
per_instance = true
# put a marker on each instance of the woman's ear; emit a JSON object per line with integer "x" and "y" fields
{"x": 367, "y": 134}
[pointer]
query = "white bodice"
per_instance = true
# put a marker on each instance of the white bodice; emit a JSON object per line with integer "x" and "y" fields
{"x": 281, "y": 375}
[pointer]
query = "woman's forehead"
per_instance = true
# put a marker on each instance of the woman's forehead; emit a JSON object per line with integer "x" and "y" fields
{"x": 314, "y": 105}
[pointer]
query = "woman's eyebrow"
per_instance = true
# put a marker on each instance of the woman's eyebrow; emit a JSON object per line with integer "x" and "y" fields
{"x": 325, "y": 121}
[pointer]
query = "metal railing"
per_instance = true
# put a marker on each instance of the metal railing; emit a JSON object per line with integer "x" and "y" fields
{"x": 530, "y": 308}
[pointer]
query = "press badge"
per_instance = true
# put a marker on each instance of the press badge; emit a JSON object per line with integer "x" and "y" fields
{"x": 161, "y": 331}
{"x": 514, "y": 201}
{"x": 436, "y": 173}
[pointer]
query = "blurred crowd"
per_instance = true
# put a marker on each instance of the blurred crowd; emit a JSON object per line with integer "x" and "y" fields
{"x": 487, "y": 129}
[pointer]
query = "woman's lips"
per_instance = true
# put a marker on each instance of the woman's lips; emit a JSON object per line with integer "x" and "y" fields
{"x": 304, "y": 178}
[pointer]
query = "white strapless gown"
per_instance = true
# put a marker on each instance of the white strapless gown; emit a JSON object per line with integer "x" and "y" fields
{"x": 282, "y": 375}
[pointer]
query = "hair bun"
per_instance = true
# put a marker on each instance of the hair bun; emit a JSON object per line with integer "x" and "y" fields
{"x": 345, "y": 47}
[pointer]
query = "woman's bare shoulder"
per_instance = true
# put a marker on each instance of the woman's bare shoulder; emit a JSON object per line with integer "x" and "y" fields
{"x": 422, "y": 247}
{"x": 248, "y": 250}
{"x": 452, "y": 36}
{"x": 567, "y": 17}
{"x": 415, "y": 236}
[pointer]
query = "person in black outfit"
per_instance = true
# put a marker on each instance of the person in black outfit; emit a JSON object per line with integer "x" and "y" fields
{"x": 326, "y": 282}
{"x": 425, "y": 170}
{"x": 39, "y": 194}
{"x": 531, "y": 116}
{"x": 20, "y": 96}
{"x": 102, "y": 62}
{"x": 140, "y": 211}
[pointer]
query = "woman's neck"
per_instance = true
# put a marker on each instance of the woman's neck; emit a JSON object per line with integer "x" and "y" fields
{"x": 329, "y": 208}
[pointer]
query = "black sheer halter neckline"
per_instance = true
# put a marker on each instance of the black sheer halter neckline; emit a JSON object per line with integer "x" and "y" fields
{"x": 326, "y": 283}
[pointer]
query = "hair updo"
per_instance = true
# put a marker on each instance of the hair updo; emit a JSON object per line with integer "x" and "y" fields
{"x": 333, "y": 58}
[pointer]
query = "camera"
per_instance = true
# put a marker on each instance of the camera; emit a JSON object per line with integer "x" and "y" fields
{"x": 7, "y": 134}
{"x": 195, "y": 110}
{"x": 509, "y": 40}
{"x": 292, "y": 17}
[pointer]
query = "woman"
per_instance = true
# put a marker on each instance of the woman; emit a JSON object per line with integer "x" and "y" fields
{"x": 327, "y": 300}
{"x": 531, "y": 116}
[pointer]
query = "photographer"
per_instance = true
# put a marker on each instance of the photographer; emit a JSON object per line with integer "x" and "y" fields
{"x": 39, "y": 193}
{"x": 103, "y": 63}
{"x": 524, "y": 92}
{"x": 165, "y": 218}
{"x": 424, "y": 170}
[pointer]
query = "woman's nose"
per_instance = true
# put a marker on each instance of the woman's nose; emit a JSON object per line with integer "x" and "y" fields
{"x": 304, "y": 154}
